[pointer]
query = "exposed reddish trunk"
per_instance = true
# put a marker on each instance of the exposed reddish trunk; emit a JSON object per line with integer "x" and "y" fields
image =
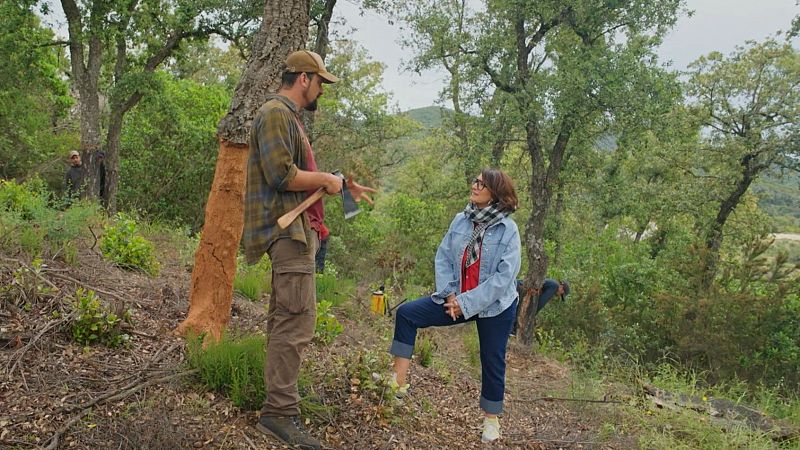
{"x": 215, "y": 259}
{"x": 283, "y": 30}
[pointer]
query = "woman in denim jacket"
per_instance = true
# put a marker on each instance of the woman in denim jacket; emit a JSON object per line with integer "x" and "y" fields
{"x": 476, "y": 267}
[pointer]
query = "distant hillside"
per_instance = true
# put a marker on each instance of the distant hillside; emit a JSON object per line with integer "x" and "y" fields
{"x": 780, "y": 198}
{"x": 429, "y": 116}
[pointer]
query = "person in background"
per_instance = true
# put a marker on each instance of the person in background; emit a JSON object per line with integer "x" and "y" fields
{"x": 550, "y": 288}
{"x": 476, "y": 266}
{"x": 75, "y": 177}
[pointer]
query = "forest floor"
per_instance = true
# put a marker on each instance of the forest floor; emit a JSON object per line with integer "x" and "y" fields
{"x": 58, "y": 394}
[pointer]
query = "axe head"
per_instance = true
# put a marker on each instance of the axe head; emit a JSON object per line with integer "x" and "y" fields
{"x": 349, "y": 205}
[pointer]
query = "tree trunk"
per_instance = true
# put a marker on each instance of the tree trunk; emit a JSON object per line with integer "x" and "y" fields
{"x": 113, "y": 140}
{"x": 714, "y": 235}
{"x": 283, "y": 30}
{"x": 321, "y": 42}
{"x": 542, "y": 177}
{"x": 85, "y": 77}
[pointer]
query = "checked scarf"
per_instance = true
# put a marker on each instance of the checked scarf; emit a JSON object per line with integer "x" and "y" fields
{"x": 482, "y": 218}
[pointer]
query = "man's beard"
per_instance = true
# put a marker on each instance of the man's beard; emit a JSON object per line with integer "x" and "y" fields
{"x": 311, "y": 106}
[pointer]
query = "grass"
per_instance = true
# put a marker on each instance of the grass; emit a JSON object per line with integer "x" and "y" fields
{"x": 253, "y": 281}
{"x": 234, "y": 366}
{"x": 472, "y": 345}
{"x": 638, "y": 418}
{"x": 333, "y": 288}
{"x": 424, "y": 348}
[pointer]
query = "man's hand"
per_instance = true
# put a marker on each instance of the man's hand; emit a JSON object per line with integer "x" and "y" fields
{"x": 359, "y": 192}
{"x": 332, "y": 183}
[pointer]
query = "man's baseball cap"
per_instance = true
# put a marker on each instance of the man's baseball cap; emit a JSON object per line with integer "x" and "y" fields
{"x": 307, "y": 61}
{"x": 74, "y": 153}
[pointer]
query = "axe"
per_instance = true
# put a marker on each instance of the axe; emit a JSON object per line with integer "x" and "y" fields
{"x": 348, "y": 203}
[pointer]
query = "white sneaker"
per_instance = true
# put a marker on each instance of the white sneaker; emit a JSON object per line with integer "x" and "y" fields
{"x": 491, "y": 429}
{"x": 399, "y": 391}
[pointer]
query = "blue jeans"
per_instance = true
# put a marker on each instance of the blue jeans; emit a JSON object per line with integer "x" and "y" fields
{"x": 492, "y": 334}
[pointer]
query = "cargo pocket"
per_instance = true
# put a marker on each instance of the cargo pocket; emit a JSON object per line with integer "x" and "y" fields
{"x": 294, "y": 286}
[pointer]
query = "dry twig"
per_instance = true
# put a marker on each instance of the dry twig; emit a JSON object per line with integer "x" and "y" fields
{"x": 17, "y": 357}
{"x": 53, "y": 441}
{"x": 562, "y": 399}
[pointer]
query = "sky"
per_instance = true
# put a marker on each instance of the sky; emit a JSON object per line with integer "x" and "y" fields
{"x": 715, "y": 25}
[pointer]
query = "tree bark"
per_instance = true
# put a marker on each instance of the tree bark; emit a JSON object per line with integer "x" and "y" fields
{"x": 320, "y": 47}
{"x": 85, "y": 77}
{"x": 714, "y": 235}
{"x": 283, "y": 30}
{"x": 542, "y": 177}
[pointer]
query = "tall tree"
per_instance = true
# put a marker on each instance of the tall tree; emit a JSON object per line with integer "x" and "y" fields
{"x": 33, "y": 96}
{"x": 132, "y": 38}
{"x": 750, "y": 106}
{"x": 566, "y": 68}
{"x": 284, "y": 29}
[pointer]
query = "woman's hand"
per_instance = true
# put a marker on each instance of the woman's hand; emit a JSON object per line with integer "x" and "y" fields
{"x": 359, "y": 192}
{"x": 452, "y": 307}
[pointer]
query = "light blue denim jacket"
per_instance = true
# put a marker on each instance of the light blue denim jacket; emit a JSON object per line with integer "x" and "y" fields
{"x": 499, "y": 267}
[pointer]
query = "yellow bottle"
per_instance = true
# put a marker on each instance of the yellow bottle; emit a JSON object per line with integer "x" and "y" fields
{"x": 378, "y": 303}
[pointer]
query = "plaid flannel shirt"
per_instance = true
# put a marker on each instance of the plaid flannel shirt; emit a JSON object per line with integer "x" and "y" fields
{"x": 277, "y": 150}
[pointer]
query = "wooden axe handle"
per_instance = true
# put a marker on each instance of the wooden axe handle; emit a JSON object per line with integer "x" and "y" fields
{"x": 289, "y": 217}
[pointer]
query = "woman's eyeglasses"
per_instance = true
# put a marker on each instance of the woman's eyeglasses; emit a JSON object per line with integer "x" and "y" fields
{"x": 479, "y": 184}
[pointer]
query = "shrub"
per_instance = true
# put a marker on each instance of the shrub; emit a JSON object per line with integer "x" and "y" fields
{"x": 234, "y": 366}
{"x": 26, "y": 287}
{"x": 425, "y": 348}
{"x": 253, "y": 281}
{"x": 94, "y": 323}
{"x": 327, "y": 327}
{"x": 28, "y": 222}
{"x": 122, "y": 244}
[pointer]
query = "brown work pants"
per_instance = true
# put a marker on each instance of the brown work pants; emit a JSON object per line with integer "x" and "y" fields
{"x": 290, "y": 322}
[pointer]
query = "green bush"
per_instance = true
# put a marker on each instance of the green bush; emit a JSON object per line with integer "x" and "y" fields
{"x": 95, "y": 324}
{"x": 30, "y": 224}
{"x": 327, "y": 326}
{"x": 27, "y": 288}
{"x": 234, "y": 366}
{"x": 122, "y": 244}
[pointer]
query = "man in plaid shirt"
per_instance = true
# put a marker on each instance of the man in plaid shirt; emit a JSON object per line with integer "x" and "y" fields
{"x": 281, "y": 173}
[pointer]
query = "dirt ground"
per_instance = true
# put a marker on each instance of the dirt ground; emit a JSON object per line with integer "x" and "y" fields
{"x": 55, "y": 393}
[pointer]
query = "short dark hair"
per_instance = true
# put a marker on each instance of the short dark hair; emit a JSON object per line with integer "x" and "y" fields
{"x": 501, "y": 187}
{"x": 288, "y": 79}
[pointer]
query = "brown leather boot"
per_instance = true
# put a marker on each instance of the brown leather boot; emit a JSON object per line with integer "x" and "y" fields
{"x": 288, "y": 430}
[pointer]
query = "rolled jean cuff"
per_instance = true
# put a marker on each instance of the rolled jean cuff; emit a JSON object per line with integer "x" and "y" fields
{"x": 491, "y": 407}
{"x": 401, "y": 349}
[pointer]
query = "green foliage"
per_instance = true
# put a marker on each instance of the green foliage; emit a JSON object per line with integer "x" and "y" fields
{"x": 253, "y": 280}
{"x": 779, "y": 196}
{"x": 364, "y": 369}
{"x": 332, "y": 287}
{"x": 234, "y": 366}
{"x": 27, "y": 288}
{"x": 327, "y": 325}
{"x": 34, "y": 98}
{"x": 122, "y": 244}
{"x": 28, "y": 222}
{"x": 170, "y": 151}
{"x": 472, "y": 345}
{"x": 94, "y": 323}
